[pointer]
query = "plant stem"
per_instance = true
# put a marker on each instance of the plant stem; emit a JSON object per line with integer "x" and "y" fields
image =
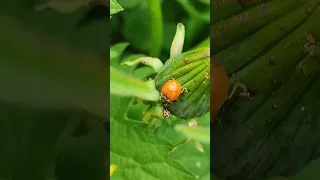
{"x": 156, "y": 27}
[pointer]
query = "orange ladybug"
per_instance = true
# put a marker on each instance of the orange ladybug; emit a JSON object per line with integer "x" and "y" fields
{"x": 171, "y": 90}
{"x": 219, "y": 88}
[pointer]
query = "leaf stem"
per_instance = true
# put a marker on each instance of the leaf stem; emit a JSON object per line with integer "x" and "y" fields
{"x": 156, "y": 27}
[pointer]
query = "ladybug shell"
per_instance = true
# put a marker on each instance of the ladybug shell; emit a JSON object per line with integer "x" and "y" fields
{"x": 172, "y": 90}
{"x": 219, "y": 88}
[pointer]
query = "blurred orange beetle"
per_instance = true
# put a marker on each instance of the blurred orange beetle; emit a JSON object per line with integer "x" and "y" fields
{"x": 219, "y": 88}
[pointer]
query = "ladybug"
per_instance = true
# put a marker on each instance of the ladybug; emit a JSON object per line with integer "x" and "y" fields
{"x": 219, "y": 88}
{"x": 171, "y": 91}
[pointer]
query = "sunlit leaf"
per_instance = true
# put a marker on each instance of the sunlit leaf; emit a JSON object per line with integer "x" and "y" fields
{"x": 123, "y": 84}
{"x": 115, "y": 7}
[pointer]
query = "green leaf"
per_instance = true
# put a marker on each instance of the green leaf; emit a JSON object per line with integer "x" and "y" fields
{"x": 198, "y": 163}
{"x": 129, "y": 3}
{"x": 136, "y": 150}
{"x": 155, "y": 63}
{"x": 202, "y": 134}
{"x": 140, "y": 156}
{"x": 69, "y": 79}
{"x": 64, "y": 6}
{"x": 115, "y": 7}
{"x": 207, "y": 2}
{"x": 28, "y": 138}
{"x": 204, "y": 43}
{"x": 276, "y": 130}
{"x": 116, "y": 52}
{"x": 192, "y": 70}
{"x": 311, "y": 171}
{"x": 206, "y": 177}
{"x": 83, "y": 158}
{"x": 156, "y": 27}
{"x": 188, "y": 6}
{"x": 137, "y": 28}
{"x": 126, "y": 85}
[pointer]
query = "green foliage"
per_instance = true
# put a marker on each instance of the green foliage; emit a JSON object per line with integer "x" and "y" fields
{"x": 138, "y": 146}
{"x": 201, "y": 134}
{"x": 54, "y": 78}
{"x": 308, "y": 172}
{"x": 274, "y": 131}
{"x": 128, "y": 132}
{"x": 137, "y": 25}
{"x": 187, "y": 155}
{"x": 140, "y": 155}
{"x": 123, "y": 84}
{"x": 137, "y": 152}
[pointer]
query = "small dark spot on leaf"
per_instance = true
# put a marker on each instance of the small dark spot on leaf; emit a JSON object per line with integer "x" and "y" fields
{"x": 271, "y": 61}
{"x": 281, "y": 27}
{"x": 309, "y": 10}
{"x": 274, "y": 81}
{"x": 207, "y": 75}
{"x": 275, "y": 106}
{"x": 263, "y": 8}
{"x": 249, "y": 134}
{"x": 253, "y": 92}
{"x": 309, "y": 36}
{"x": 185, "y": 60}
{"x": 228, "y": 122}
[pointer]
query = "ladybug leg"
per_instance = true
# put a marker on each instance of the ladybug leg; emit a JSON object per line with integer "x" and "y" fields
{"x": 184, "y": 90}
{"x": 163, "y": 98}
{"x": 307, "y": 47}
{"x": 243, "y": 93}
{"x": 167, "y": 103}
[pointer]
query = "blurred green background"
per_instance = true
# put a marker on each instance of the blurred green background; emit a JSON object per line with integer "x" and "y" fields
{"x": 53, "y": 100}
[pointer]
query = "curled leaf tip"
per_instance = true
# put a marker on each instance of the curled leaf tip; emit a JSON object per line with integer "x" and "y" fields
{"x": 151, "y": 83}
{"x": 155, "y": 63}
{"x": 178, "y": 40}
{"x": 192, "y": 123}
